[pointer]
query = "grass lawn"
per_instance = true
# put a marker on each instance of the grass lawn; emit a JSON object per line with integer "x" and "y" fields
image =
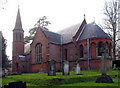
{"x": 87, "y": 79}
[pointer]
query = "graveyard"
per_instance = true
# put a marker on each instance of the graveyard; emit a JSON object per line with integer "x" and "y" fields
{"x": 82, "y": 55}
{"x": 86, "y": 79}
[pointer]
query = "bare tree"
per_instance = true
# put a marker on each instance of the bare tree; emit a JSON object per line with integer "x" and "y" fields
{"x": 110, "y": 11}
{"x": 2, "y": 2}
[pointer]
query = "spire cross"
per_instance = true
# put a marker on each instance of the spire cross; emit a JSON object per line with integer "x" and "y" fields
{"x": 84, "y": 16}
{"x": 18, "y": 6}
{"x": 94, "y": 19}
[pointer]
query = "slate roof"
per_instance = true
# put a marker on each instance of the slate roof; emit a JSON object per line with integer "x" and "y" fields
{"x": 54, "y": 37}
{"x": 18, "y": 25}
{"x": 92, "y": 30}
{"x": 89, "y": 31}
{"x": 68, "y": 33}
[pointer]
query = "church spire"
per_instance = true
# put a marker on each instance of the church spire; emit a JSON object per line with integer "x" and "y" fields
{"x": 18, "y": 24}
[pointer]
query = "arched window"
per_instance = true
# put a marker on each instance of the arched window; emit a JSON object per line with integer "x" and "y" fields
{"x": 66, "y": 54}
{"x": 81, "y": 51}
{"x": 93, "y": 50}
{"x": 99, "y": 49}
{"x": 20, "y": 36}
{"x": 16, "y": 36}
{"x": 38, "y": 53}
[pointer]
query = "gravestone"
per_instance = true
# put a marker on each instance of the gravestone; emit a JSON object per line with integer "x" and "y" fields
{"x": 66, "y": 68}
{"x": 17, "y": 84}
{"x": 114, "y": 66}
{"x": 3, "y": 73}
{"x": 77, "y": 69}
{"x": 42, "y": 69}
{"x": 52, "y": 68}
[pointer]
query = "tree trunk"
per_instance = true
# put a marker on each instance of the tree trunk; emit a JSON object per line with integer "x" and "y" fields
{"x": 114, "y": 44}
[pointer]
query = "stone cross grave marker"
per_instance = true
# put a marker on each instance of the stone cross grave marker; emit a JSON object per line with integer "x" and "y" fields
{"x": 104, "y": 78}
{"x": 103, "y": 62}
{"x": 52, "y": 68}
{"x": 66, "y": 68}
{"x": 77, "y": 69}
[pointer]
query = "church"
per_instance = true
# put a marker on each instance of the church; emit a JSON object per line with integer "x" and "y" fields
{"x": 81, "y": 43}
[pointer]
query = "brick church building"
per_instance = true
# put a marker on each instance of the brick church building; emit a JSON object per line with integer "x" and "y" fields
{"x": 80, "y": 43}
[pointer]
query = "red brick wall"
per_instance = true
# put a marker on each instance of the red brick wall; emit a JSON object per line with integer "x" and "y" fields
{"x": 14, "y": 68}
{"x": 29, "y": 62}
{"x": 36, "y": 67}
{"x": 93, "y": 49}
{"x": 18, "y": 46}
{"x": 49, "y": 51}
{"x": 73, "y": 53}
{"x": 21, "y": 67}
{"x": 55, "y": 53}
{"x": 72, "y": 50}
{"x": 84, "y": 44}
{"x": 95, "y": 64}
{"x": 39, "y": 38}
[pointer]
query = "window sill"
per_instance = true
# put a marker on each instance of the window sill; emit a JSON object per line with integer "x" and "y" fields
{"x": 81, "y": 58}
{"x": 99, "y": 56}
{"x": 109, "y": 57}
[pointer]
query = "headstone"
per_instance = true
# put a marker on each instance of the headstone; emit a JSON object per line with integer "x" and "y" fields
{"x": 66, "y": 68}
{"x": 17, "y": 84}
{"x": 77, "y": 69}
{"x": 51, "y": 68}
{"x": 114, "y": 66}
{"x": 42, "y": 69}
{"x": 3, "y": 73}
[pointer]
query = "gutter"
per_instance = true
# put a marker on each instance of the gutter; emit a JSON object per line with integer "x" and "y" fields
{"x": 88, "y": 54}
{"x": 61, "y": 49}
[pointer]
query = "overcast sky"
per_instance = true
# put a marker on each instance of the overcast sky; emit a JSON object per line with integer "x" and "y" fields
{"x": 61, "y": 14}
